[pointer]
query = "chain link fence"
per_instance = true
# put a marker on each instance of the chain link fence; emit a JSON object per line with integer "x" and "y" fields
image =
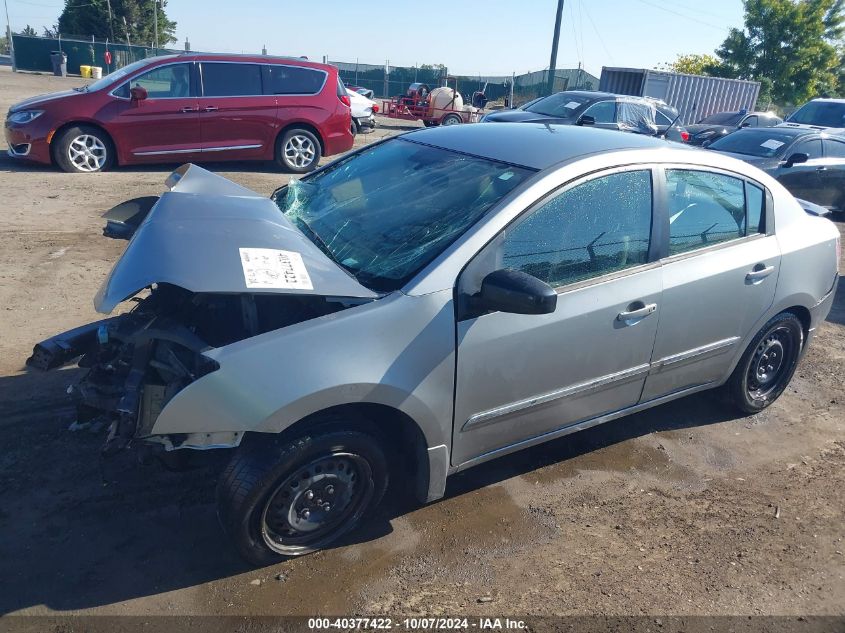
{"x": 33, "y": 54}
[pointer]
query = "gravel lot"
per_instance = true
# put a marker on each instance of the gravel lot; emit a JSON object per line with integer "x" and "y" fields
{"x": 684, "y": 509}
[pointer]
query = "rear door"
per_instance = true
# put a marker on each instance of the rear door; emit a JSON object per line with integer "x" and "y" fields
{"x": 833, "y": 174}
{"x": 719, "y": 275}
{"x": 166, "y": 124}
{"x": 804, "y": 180}
{"x": 296, "y": 90}
{"x": 238, "y": 121}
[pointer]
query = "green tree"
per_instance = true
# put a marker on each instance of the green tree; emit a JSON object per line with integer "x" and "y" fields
{"x": 793, "y": 47}
{"x": 692, "y": 64}
{"x": 135, "y": 16}
{"x": 29, "y": 31}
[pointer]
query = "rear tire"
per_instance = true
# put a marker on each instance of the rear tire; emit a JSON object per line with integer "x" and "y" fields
{"x": 277, "y": 501}
{"x": 768, "y": 364}
{"x": 355, "y": 128}
{"x": 83, "y": 149}
{"x": 452, "y": 119}
{"x": 298, "y": 150}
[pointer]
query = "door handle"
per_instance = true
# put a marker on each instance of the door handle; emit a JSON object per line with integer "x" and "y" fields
{"x": 638, "y": 313}
{"x": 759, "y": 272}
{"x": 822, "y": 168}
{"x": 189, "y": 109}
{"x": 211, "y": 108}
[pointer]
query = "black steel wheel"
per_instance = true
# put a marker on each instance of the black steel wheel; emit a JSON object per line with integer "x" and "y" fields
{"x": 276, "y": 502}
{"x": 768, "y": 363}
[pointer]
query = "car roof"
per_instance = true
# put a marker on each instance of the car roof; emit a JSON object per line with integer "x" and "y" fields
{"x": 244, "y": 57}
{"x": 533, "y": 145}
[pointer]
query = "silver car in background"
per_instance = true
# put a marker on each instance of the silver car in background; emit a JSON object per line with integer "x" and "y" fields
{"x": 437, "y": 300}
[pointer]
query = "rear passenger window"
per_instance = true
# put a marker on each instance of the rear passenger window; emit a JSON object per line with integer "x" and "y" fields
{"x": 706, "y": 209}
{"x": 754, "y": 200}
{"x": 231, "y": 80}
{"x": 292, "y": 80}
{"x": 597, "y": 227}
{"x": 834, "y": 148}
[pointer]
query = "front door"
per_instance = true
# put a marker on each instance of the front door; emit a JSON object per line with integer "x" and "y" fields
{"x": 238, "y": 121}
{"x": 719, "y": 278}
{"x": 520, "y": 376}
{"x": 804, "y": 180}
{"x": 164, "y": 126}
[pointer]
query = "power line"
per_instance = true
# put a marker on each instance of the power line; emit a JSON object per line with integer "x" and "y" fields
{"x": 688, "y": 17}
{"x": 601, "y": 39}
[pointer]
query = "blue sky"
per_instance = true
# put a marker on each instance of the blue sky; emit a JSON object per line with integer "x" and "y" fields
{"x": 479, "y": 37}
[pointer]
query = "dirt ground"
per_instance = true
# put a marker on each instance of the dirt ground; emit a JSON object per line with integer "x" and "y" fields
{"x": 684, "y": 509}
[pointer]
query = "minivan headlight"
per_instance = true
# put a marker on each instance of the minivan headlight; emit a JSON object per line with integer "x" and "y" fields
{"x": 25, "y": 116}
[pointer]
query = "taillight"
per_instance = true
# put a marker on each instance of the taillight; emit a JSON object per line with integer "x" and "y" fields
{"x": 375, "y": 108}
{"x": 684, "y": 136}
{"x": 345, "y": 100}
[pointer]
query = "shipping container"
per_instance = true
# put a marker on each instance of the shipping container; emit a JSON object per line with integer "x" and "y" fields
{"x": 694, "y": 96}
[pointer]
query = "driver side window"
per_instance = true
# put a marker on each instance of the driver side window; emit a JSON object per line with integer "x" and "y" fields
{"x": 598, "y": 227}
{"x": 165, "y": 82}
{"x": 602, "y": 112}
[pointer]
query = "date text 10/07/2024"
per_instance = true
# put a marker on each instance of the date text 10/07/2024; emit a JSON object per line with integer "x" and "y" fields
{"x": 417, "y": 624}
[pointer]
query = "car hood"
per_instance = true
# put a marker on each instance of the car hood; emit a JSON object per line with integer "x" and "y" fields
{"x": 510, "y": 116}
{"x": 42, "y": 99}
{"x": 208, "y": 234}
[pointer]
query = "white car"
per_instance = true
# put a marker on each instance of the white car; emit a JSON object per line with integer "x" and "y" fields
{"x": 363, "y": 111}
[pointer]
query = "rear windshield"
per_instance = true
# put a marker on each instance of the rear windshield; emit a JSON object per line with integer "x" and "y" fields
{"x": 822, "y": 113}
{"x": 723, "y": 118}
{"x": 562, "y": 105}
{"x": 764, "y": 142}
{"x": 384, "y": 213}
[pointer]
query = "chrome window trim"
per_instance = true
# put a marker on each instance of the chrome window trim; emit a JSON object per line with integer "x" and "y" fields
{"x": 669, "y": 259}
{"x": 144, "y": 72}
{"x": 202, "y": 94}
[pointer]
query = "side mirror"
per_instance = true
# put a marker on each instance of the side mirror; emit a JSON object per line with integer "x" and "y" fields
{"x": 745, "y": 124}
{"x": 706, "y": 143}
{"x": 138, "y": 93}
{"x": 796, "y": 159}
{"x": 586, "y": 119}
{"x": 516, "y": 292}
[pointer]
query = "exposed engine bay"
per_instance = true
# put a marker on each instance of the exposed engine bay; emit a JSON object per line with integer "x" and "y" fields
{"x": 139, "y": 360}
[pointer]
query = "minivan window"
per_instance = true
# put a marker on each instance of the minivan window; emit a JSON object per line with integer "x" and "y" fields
{"x": 384, "y": 213}
{"x": 597, "y": 227}
{"x": 705, "y": 208}
{"x": 165, "y": 82}
{"x": 292, "y": 80}
{"x": 222, "y": 79}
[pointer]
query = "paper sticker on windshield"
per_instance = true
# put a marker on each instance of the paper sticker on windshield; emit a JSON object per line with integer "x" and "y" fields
{"x": 271, "y": 268}
{"x": 772, "y": 144}
{"x": 572, "y": 105}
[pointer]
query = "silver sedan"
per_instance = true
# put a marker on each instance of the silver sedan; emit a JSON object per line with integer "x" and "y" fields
{"x": 435, "y": 301}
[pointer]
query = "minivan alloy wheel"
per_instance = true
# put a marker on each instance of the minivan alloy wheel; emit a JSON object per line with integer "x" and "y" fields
{"x": 300, "y": 151}
{"x": 87, "y": 153}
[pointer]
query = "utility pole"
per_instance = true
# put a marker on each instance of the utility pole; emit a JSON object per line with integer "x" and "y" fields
{"x": 111, "y": 21}
{"x": 553, "y": 60}
{"x": 9, "y": 36}
{"x": 126, "y": 27}
{"x": 155, "y": 21}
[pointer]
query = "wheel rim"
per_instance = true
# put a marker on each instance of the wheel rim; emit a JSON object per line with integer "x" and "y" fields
{"x": 87, "y": 153}
{"x": 451, "y": 120}
{"x": 769, "y": 363}
{"x": 300, "y": 151}
{"x": 317, "y": 503}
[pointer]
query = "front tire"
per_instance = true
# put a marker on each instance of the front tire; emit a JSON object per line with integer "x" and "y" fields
{"x": 276, "y": 501}
{"x": 83, "y": 149}
{"x": 768, "y": 364}
{"x": 298, "y": 151}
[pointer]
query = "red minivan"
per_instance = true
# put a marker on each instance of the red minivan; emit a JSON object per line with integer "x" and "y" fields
{"x": 189, "y": 108}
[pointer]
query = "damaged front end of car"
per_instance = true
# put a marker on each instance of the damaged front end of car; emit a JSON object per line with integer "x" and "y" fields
{"x": 192, "y": 270}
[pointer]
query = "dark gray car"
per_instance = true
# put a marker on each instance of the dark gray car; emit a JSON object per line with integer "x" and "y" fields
{"x": 809, "y": 163}
{"x": 720, "y": 124}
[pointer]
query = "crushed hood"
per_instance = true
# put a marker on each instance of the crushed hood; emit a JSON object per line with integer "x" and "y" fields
{"x": 208, "y": 234}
